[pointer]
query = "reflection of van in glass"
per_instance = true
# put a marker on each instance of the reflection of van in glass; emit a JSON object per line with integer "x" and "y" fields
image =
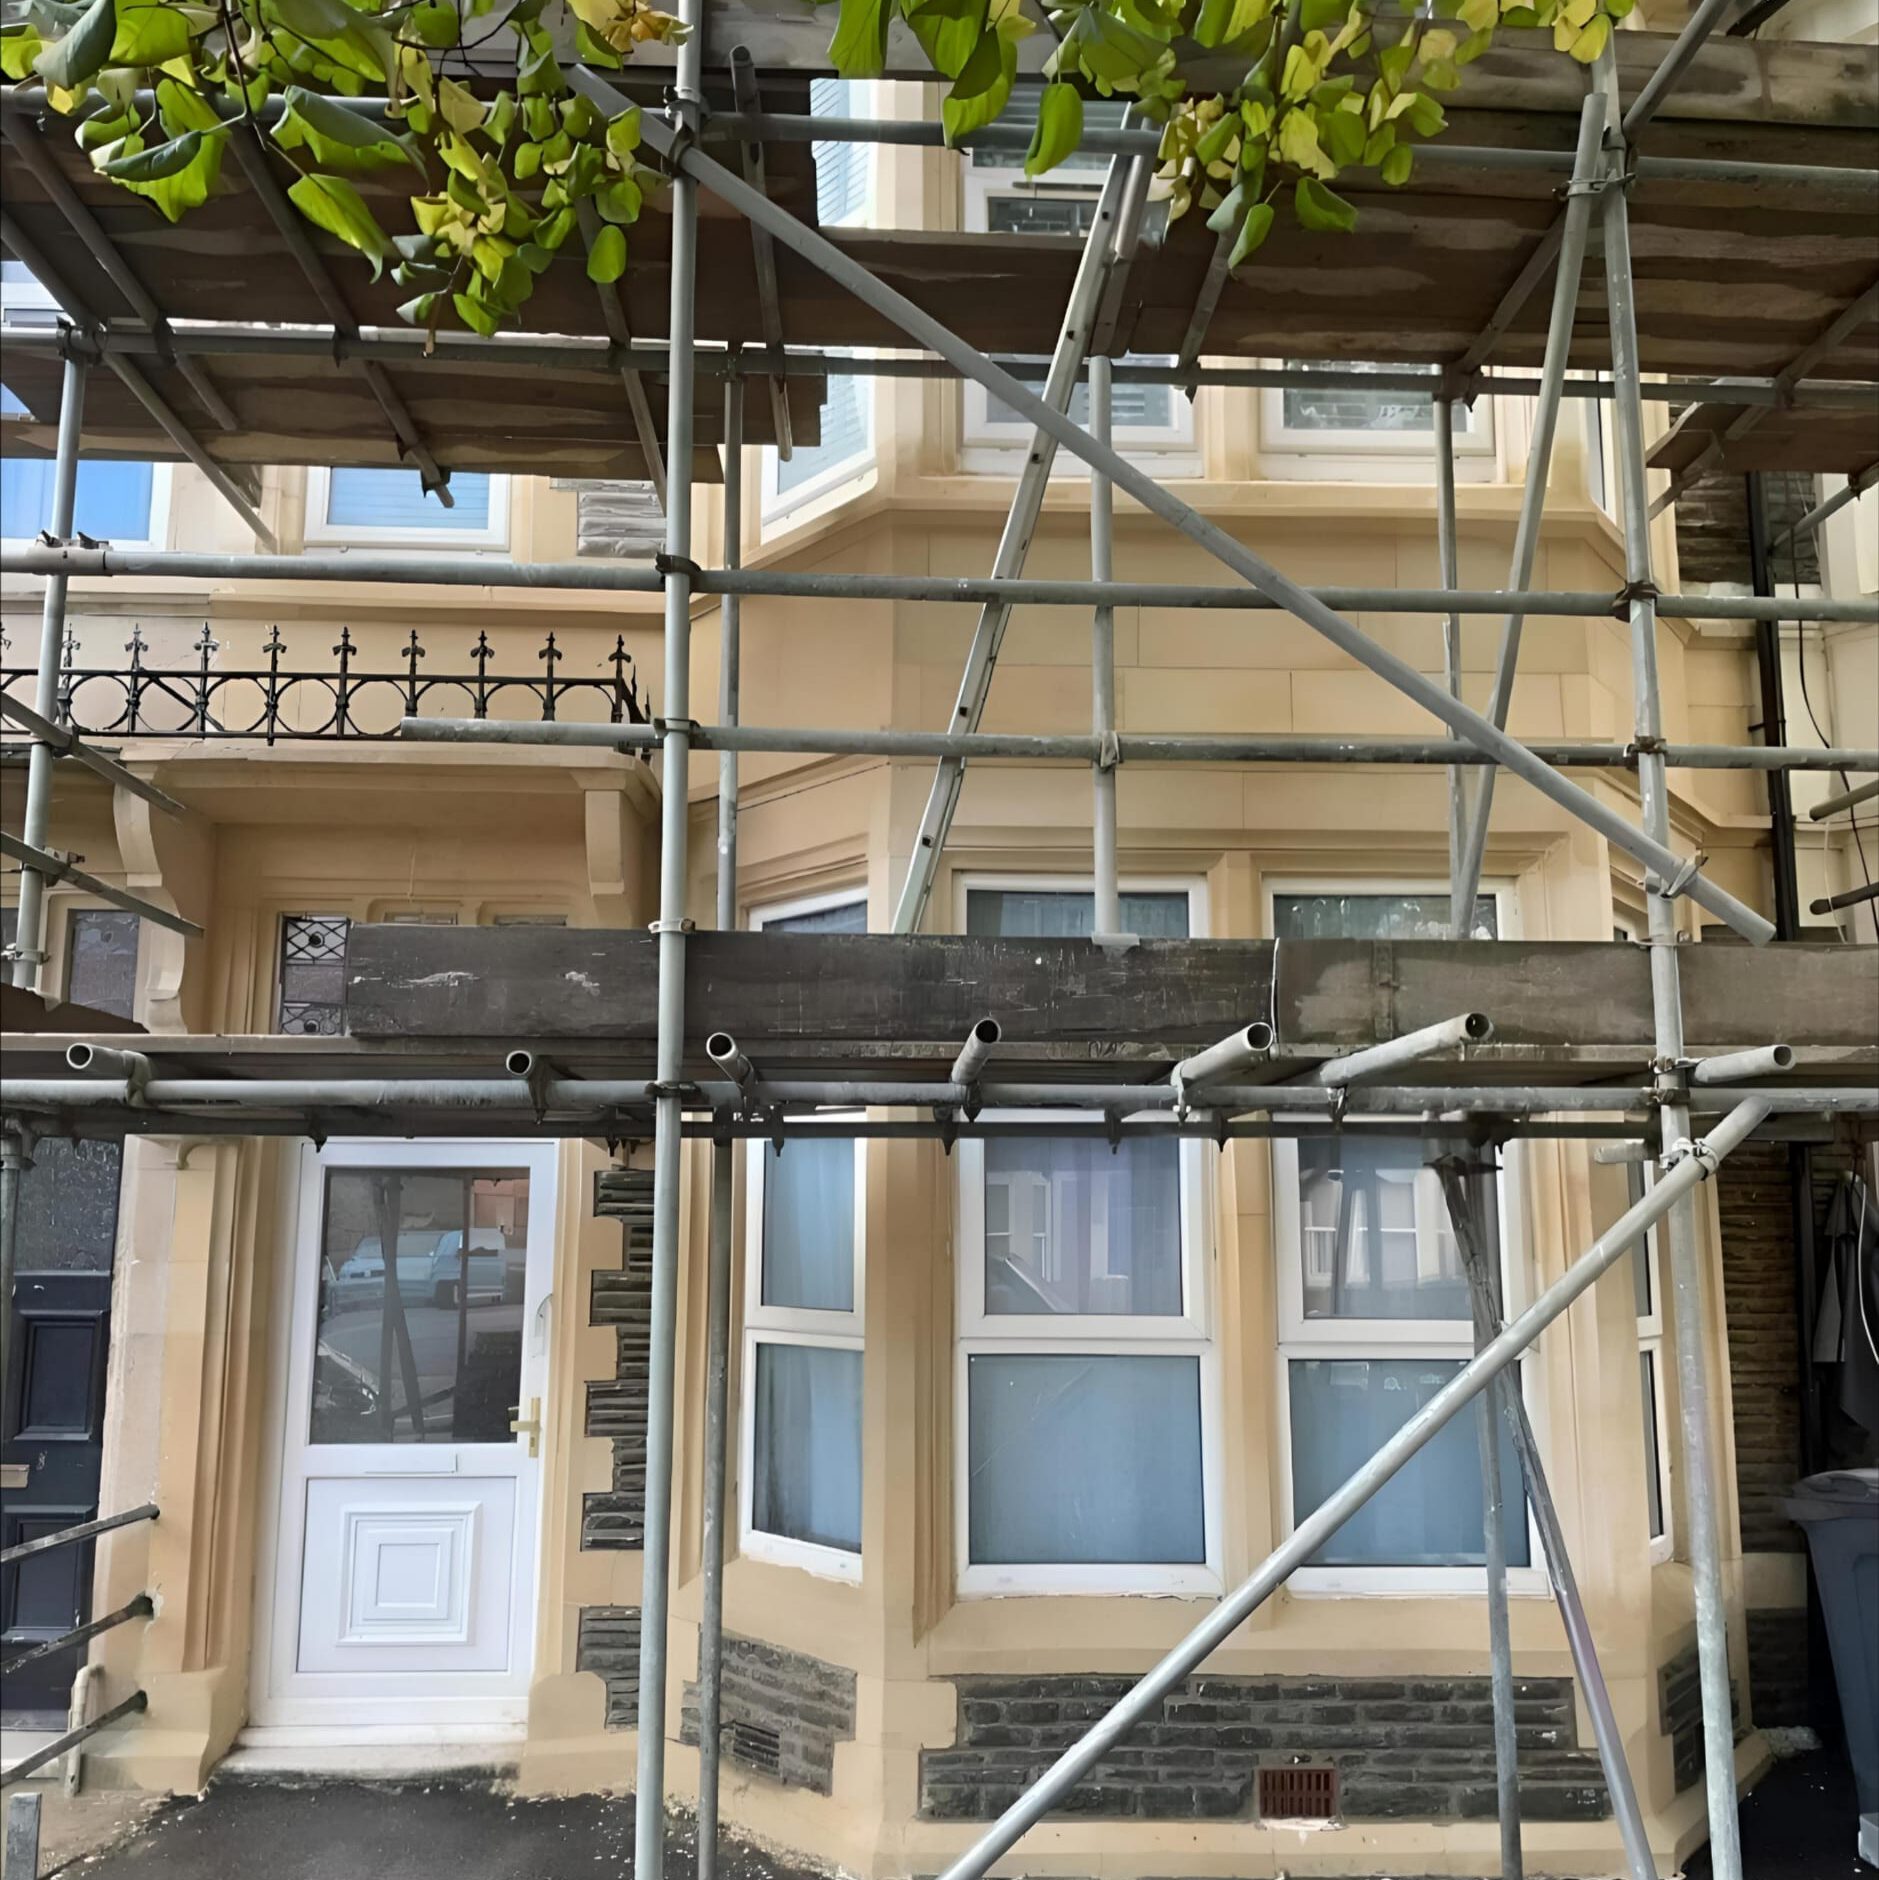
{"x": 488, "y": 1275}
{"x": 361, "y": 1280}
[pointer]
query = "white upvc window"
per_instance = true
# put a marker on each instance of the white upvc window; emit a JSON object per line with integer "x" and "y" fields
{"x": 1150, "y": 421}
{"x": 1063, "y": 907}
{"x": 1347, "y": 434}
{"x": 365, "y": 507}
{"x": 845, "y": 198}
{"x": 1086, "y": 1441}
{"x": 1648, "y": 1297}
{"x": 1374, "y": 1315}
{"x": 799, "y": 1493}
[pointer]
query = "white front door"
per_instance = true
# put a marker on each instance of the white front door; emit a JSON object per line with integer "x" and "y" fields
{"x": 403, "y": 1579}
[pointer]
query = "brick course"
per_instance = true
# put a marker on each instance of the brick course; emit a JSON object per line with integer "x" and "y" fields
{"x": 615, "y": 1518}
{"x": 783, "y": 1712}
{"x": 1405, "y": 1749}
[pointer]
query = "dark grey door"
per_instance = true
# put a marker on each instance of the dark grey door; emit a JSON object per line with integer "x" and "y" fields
{"x": 52, "y": 1403}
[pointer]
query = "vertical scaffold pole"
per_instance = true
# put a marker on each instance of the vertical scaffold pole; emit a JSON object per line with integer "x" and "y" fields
{"x": 655, "y": 1592}
{"x": 1687, "y": 1291}
{"x": 718, "y": 1303}
{"x": 1512, "y": 1410}
{"x": 30, "y": 935}
{"x": 1449, "y": 564}
{"x": 1588, "y": 161}
{"x": 1103, "y": 658}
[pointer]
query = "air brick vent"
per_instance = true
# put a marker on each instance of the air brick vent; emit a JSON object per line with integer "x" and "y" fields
{"x": 1298, "y": 1793}
{"x": 754, "y": 1746}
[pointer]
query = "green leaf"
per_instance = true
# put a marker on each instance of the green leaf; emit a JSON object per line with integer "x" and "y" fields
{"x": 606, "y": 259}
{"x": 623, "y": 133}
{"x": 1342, "y": 134}
{"x": 1396, "y": 166}
{"x": 462, "y": 109}
{"x": 1590, "y": 43}
{"x": 176, "y": 176}
{"x": 960, "y": 117}
{"x": 20, "y": 45}
{"x": 859, "y": 48}
{"x": 148, "y": 33}
{"x": 1314, "y": 15}
{"x": 81, "y": 54}
{"x": 620, "y": 201}
{"x": 1253, "y": 231}
{"x": 1319, "y": 208}
{"x": 339, "y": 137}
{"x": 435, "y": 22}
{"x": 1426, "y": 116}
{"x": 528, "y": 161}
{"x": 161, "y": 160}
{"x": 981, "y": 71}
{"x": 332, "y": 204}
{"x": 318, "y": 19}
{"x": 184, "y": 110}
{"x": 1231, "y": 210}
{"x": 418, "y": 312}
{"x": 1059, "y": 129}
{"x": 477, "y": 317}
{"x": 1298, "y": 143}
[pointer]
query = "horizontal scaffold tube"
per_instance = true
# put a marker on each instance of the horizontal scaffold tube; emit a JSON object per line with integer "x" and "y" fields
{"x": 965, "y": 590}
{"x": 1311, "y": 1533}
{"x": 1136, "y": 747}
{"x": 588, "y": 1096}
{"x": 591, "y": 352}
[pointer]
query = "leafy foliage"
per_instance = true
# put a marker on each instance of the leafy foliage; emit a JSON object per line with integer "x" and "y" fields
{"x": 502, "y": 175}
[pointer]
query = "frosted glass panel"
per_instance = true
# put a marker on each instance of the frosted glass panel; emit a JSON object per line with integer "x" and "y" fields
{"x": 849, "y": 917}
{"x": 1376, "y": 1233}
{"x": 1429, "y": 1513}
{"x": 1071, "y": 1227}
{"x": 1070, "y": 914}
{"x": 1083, "y": 1459}
{"x": 1376, "y": 917}
{"x": 809, "y": 1225}
{"x": 806, "y": 1449}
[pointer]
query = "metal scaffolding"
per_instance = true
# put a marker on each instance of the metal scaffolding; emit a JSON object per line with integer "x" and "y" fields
{"x": 1429, "y": 1085}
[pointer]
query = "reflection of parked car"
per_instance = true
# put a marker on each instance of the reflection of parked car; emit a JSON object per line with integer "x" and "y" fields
{"x": 361, "y": 1280}
{"x": 488, "y": 1275}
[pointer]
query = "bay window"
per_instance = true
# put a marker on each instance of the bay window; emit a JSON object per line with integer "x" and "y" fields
{"x": 1351, "y": 433}
{"x": 1374, "y": 1314}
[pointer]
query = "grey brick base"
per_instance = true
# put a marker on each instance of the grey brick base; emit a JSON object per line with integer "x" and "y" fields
{"x": 1406, "y": 1749}
{"x": 616, "y": 1406}
{"x": 609, "y": 1645}
{"x": 784, "y": 1712}
{"x": 1778, "y": 1667}
{"x": 1680, "y": 1714}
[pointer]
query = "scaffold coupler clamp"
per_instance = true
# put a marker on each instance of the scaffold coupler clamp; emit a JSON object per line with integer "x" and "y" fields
{"x": 668, "y": 565}
{"x": 685, "y": 926}
{"x": 1669, "y": 890}
{"x": 17, "y": 1137}
{"x": 777, "y": 1138}
{"x": 1685, "y": 1147}
{"x": 947, "y": 1120}
{"x": 1645, "y": 590}
{"x": 1108, "y": 750}
{"x": 1459, "y": 387}
{"x": 1112, "y": 1128}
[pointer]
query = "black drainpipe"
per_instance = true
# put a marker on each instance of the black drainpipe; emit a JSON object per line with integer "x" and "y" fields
{"x": 1774, "y": 730}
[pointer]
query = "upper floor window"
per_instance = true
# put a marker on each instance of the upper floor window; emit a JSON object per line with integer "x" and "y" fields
{"x": 101, "y": 960}
{"x": 844, "y": 199}
{"x": 1021, "y": 910}
{"x": 1412, "y": 914}
{"x": 122, "y": 503}
{"x": 1350, "y": 433}
{"x": 390, "y": 508}
{"x": 1001, "y": 200}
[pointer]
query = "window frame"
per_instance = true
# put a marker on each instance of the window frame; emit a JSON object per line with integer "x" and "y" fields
{"x": 1296, "y": 1337}
{"x": 1298, "y": 454}
{"x": 769, "y": 913}
{"x": 987, "y": 446}
{"x": 967, "y": 882}
{"x": 1191, "y": 1335}
{"x": 1640, "y": 1180}
{"x": 318, "y": 531}
{"x": 779, "y": 509}
{"x": 803, "y": 1326}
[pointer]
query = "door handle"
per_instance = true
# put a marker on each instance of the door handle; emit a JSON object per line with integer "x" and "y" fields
{"x": 530, "y": 1425}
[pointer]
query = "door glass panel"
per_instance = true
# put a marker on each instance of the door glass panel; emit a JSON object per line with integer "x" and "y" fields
{"x": 435, "y": 1356}
{"x": 68, "y": 1207}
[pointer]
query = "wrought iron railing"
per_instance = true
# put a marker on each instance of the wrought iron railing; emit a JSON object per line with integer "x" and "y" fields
{"x": 279, "y": 702}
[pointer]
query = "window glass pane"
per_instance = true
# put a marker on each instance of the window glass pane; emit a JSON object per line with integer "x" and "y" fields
{"x": 1640, "y": 1254}
{"x": 806, "y": 1446}
{"x": 68, "y": 1207}
{"x": 1376, "y": 917}
{"x": 809, "y": 1225}
{"x": 1429, "y": 1513}
{"x": 1377, "y": 1238}
{"x": 1070, "y": 913}
{"x": 1653, "y": 1459}
{"x": 841, "y": 169}
{"x": 395, "y": 499}
{"x": 1334, "y": 408}
{"x": 113, "y": 501}
{"x": 1072, "y": 1227}
{"x": 1084, "y": 1459}
{"x": 849, "y": 917}
{"x": 101, "y": 970}
{"x": 435, "y": 1355}
{"x": 844, "y": 430}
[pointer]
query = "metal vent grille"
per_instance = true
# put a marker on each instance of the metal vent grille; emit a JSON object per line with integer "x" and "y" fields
{"x": 754, "y": 1746}
{"x": 1300, "y": 1793}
